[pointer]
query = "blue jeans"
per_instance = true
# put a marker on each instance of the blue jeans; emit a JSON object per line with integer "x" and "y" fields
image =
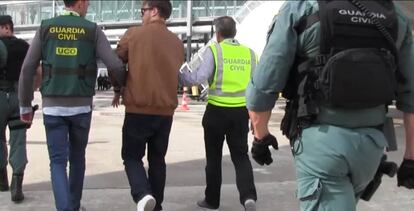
{"x": 139, "y": 132}
{"x": 67, "y": 137}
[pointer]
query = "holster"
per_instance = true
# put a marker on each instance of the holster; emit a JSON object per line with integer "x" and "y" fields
{"x": 389, "y": 133}
{"x": 289, "y": 124}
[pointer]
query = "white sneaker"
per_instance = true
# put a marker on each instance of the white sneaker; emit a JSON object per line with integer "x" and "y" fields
{"x": 249, "y": 205}
{"x": 147, "y": 203}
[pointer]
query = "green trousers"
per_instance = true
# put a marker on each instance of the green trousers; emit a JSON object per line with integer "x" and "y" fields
{"x": 10, "y": 116}
{"x": 334, "y": 165}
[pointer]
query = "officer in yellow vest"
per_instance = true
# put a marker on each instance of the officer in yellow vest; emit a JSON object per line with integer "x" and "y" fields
{"x": 227, "y": 66}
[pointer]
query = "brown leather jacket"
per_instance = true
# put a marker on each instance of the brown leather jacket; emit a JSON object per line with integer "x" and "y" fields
{"x": 154, "y": 56}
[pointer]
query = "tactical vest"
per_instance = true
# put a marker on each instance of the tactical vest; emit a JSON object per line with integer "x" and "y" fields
{"x": 234, "y": 66}
{"x": 16, "y": 52}
{"x": 356, "y": 67}
{"x": 68, "y": 56}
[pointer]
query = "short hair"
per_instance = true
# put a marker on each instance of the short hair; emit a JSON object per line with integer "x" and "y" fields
{"x": 69, "y": 3}
{"x": 7, "y": 20}
{"x": 225, "y": 26}
{"x": 164, "y": 7}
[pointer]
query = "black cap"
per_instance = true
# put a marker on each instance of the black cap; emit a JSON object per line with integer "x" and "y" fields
{"x": 6, "y": 19}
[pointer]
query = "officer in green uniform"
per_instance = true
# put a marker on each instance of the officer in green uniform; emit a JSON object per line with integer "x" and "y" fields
{"x": 313, "y": 49}
{"x": 68, "y": 46}
{"x": 3, "y": 54}
{"x": 9, "y": 111}
{"x": 4, "y": 183}
{"x": 227, "y": 65}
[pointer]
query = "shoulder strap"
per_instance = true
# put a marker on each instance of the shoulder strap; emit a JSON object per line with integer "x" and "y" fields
{"x": 306, "y": 22}
{"x": 377, "y": 23}
{"x": 384, "y": 32}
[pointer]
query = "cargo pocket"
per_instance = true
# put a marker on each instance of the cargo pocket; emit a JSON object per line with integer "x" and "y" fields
{"x": 309, "y": 193}
{"x": 378, "y": 138}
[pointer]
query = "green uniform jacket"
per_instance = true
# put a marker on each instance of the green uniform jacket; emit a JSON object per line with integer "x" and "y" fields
{"x": 3, "y": 54}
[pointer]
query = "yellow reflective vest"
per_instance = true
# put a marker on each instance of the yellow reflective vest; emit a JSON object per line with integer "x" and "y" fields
{"x": 234, "y": 64}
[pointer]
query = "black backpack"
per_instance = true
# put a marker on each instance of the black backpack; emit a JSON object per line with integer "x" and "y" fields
{"x": 356, "y": 66}
{"x": 16, "y": 52}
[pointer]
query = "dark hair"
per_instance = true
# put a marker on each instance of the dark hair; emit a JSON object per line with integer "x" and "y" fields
{"x": 164, "y": 7}
{"x": 69, "y": 3}
{"x": 7, "y": 20}
{"x": 225, "y": 26}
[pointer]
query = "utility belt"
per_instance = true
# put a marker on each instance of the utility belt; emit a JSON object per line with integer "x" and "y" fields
{"x": 8, "y": 86}
{"x": 292, "y": 125}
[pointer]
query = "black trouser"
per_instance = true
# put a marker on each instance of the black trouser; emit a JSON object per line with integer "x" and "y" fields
{"x": 138, "y": 131}
{"x": 232, "y": 124}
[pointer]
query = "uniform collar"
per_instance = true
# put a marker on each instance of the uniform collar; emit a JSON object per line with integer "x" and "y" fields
{"x": 70, "y": 13}
{"x": 231, "y": 41}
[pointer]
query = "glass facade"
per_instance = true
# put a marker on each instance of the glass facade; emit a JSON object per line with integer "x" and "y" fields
{"x": 26, "y": 13}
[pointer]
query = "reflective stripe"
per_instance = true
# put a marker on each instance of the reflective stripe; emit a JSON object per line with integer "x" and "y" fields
{"x": 219, "y": 81}
{"x": 226, "y": 94}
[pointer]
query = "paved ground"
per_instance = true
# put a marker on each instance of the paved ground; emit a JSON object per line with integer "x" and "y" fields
{"x": 106, "y": 187}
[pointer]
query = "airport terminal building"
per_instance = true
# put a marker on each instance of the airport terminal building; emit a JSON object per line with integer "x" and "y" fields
{"x": 190, "y": 20}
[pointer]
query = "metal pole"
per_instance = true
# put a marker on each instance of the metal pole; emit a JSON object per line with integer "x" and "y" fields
{"x": 99, "y": 12}
{"x": 189, "y": 28}
{"x": 132, "y": 10}
{"x": 212, "y": 8}
{"x": 234, "y": 7}
{"x": 116, "y": 11}
{"x": 53, "y": 8}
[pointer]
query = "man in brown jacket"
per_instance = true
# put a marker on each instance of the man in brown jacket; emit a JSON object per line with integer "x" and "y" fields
{"x": 154, "y": 56}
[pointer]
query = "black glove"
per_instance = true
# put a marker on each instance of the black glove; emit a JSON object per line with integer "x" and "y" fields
{"x": 260, "y": 149}
{"x": 405, "y": 174}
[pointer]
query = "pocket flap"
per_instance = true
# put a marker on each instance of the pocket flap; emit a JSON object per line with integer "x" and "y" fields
{"x": 309, "y": 190}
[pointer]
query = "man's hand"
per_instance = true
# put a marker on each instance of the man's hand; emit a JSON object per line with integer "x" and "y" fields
{"x": 27, "y": 117}
{"x": 260, "y": 149}
{"x": 116, "y": 101}
{"x": 405, "y": 174}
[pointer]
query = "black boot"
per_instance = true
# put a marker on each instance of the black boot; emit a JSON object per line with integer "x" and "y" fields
{"x": 16, "y": 188}
{"x": 4, "y": 182}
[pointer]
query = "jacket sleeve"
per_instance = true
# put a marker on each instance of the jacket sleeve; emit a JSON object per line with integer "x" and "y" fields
{"x": 204, "y": 72}
{"x": 3, "y": 54}
{"x": 30, "y": 64}
{"x": 405, "y": 91}
{"x": 122, "y": 48}
{"x": 109, "y": 58}
{"x": 273, "y": 69}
